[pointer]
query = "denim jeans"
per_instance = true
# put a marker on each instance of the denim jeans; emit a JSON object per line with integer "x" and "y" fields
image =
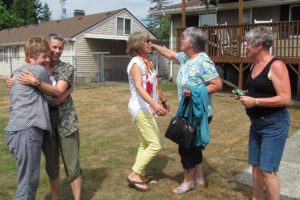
{"x": 267, "y": 140}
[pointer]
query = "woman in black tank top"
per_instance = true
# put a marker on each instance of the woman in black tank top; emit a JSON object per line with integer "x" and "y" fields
{"x": 267, "y": 96}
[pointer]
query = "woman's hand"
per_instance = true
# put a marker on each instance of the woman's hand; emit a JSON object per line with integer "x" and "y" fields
{"x": 247, "y": 101}
{"x": 27, "y": 78}
{"x": 10, "y": 81}
{"x": 186, "y": 92}
{"x": 166, "y": 106}
{"x": 159, "y": 109}
{"x": 236, "y": 96}
{"x": 62, "y": 97}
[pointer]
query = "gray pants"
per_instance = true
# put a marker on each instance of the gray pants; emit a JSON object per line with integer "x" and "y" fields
{"x": 26, "y": 146}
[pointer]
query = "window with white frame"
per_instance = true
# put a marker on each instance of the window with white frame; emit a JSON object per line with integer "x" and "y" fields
{"x": 2, "y": 54}
{"x": 14, "y": 52}
{"x": 123, "y": 26}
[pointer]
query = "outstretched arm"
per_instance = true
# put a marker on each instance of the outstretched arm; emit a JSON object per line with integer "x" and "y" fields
{"x": 168, "y": 53}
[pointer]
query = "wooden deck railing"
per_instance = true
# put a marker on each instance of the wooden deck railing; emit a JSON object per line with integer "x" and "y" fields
{"x": 226, "y": 42}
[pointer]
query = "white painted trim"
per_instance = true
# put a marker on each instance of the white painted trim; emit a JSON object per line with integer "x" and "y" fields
{"x": 107, "y": 37}
{"x": 226, "y": 6}
{"x": 124, "y": 28}
{"x": 12, "y": 44}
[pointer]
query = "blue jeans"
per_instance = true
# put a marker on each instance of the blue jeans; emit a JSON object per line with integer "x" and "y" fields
{"x": 267, "y": 140}
{"x": 26, "y": 146}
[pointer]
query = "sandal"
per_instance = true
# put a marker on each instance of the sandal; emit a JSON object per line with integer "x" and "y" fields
{"x": 184, "y": 188}
{"x": 200, "y": 182}
{"x": 133, "y": 184}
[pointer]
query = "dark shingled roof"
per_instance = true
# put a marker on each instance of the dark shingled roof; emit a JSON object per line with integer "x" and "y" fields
{"x": 68, "y": 28}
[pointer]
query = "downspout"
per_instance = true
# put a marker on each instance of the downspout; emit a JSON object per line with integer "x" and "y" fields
{"x": 171, "y": 47}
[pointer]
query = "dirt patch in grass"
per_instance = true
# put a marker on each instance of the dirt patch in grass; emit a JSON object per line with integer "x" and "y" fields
{"x": 109, "y": 143}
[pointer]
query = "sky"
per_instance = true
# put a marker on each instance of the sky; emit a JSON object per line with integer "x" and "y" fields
{"x": 139, "y": 8}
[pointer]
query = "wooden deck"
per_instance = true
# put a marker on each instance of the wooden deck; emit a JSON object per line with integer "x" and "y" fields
{"x": 226, "y": 46}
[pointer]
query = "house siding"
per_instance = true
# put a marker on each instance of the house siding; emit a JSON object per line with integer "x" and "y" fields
{"x": 86, "y": 62}
{"x": 109, "y": 27}
{"x": 267, "y": 13}
{"x": 261, "y": 14}
{"x": 80, "y": 51}
{"x": 9, "y": 65}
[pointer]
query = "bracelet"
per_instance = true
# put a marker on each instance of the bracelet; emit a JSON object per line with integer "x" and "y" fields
{"x": 256, "y": 101}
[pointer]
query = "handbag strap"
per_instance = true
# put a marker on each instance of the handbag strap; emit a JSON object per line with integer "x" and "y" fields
{"x": 186, "y": 103}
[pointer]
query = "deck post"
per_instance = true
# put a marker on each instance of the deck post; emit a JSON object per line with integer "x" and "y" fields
{"x": 241, "y": 78}
{"x": 183, "y": 15}
{"x": 298, "y": 86}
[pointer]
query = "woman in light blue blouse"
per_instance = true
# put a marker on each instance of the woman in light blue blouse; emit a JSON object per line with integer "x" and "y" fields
{"x": 196, "y": 69}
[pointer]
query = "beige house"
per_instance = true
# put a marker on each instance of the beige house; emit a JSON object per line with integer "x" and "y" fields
{"x": 225, "y": 35}
{"x": 87, "y": 36}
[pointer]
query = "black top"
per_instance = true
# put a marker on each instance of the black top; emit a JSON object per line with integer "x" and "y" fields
{"x": 261, "y": 87}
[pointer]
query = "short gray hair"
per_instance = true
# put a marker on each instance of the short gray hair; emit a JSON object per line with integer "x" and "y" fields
{"x": 197, "y": 38}
{"x": 259, "y": 35}
{"x": 56, "y": 36}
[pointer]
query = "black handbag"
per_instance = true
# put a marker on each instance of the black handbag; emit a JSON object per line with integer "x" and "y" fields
{"x": 180, "y": 130}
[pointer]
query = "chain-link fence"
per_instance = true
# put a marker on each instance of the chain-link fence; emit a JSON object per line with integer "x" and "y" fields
{"x": 97, "y": 67}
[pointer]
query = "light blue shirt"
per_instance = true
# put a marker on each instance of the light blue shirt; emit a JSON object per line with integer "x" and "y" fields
{"x": 196, "y": 71}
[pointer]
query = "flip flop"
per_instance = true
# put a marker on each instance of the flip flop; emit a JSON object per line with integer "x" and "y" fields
{"x": 133, "y": 184}
{"x": 150, "y": 179}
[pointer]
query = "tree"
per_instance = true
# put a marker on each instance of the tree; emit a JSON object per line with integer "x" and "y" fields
{"x": 44, "y": 14}
{"x": 7, "y": 3}
{"x": 25, "y": 9}
{"x": 159, "y": 25}
{"x": 8, "y": 19}
{"x": 211, "y": 2}
{"x": 32, "y": 11}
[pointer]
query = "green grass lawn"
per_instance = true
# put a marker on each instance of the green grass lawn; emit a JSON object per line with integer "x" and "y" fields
{"x": 109, "y": 143}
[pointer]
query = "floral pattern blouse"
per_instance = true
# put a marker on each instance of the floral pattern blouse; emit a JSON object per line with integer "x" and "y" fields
{"x": 195, "y": 71}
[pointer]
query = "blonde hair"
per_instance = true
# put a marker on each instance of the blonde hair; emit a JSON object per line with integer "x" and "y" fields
{"x": 34, "y": 46}
{"x": 136, "y": 42}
